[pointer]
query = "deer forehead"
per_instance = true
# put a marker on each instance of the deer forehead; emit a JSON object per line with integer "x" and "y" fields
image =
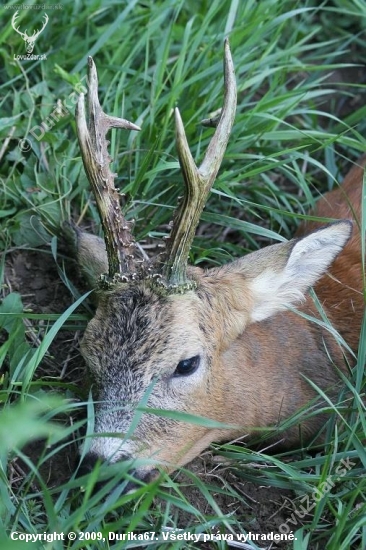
{"x": 136, "y": 328}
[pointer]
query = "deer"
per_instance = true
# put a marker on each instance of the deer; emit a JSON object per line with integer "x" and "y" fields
{"x": 29, "y": 40}
{"x": 242, "y": 346}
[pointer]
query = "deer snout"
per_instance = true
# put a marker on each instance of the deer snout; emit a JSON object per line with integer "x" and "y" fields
{"x": 88, "y": 464}
{"x": 91, "y": 460}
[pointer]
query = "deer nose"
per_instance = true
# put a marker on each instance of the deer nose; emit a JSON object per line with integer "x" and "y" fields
{"x": 87, "y": 466}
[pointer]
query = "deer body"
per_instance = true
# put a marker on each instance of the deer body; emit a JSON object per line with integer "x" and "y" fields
{"x": 285, "y": 349}
{"x": 220, "y": 343}
{"x": 341, "y": 291}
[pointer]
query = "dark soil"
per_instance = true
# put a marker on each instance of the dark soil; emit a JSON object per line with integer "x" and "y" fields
{"x": 33, "y": 274}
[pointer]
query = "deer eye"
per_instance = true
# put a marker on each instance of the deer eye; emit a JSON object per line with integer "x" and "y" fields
{"x": 187, "y": 366}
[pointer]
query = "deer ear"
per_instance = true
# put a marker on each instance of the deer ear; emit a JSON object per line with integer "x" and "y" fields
{"x": 89, "y": 251}
{"x": 283, "y": 283}
{"x": 269, "y": 280}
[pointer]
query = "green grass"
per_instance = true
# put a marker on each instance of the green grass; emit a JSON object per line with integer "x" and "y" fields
{"x": 294, "y": 137}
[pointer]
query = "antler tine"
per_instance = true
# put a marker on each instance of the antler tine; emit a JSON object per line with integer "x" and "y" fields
{"x": 44, "y": 24}
{"x": 93, "y": 144}
{"x": 13, "y": 21}
{"x": 198, "y": 181}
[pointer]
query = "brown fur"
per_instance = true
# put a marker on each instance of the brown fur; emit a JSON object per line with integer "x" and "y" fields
{"x": 253, "y": 373}
{"x": 341, "y": 290}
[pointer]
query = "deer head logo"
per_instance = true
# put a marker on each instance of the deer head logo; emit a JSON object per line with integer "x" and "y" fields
{"x": 29, "y": 40}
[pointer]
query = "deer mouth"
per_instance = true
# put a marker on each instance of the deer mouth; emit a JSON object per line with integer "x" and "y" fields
{"x": 141, "y": 476}
{"x": 132, "y": 486}
{"x": 91, "y": 461}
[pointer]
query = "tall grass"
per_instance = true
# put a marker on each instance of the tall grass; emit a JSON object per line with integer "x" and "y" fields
{"x": 296, "y": 132}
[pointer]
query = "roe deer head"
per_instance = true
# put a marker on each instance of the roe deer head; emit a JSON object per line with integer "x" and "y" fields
{"x": 217, "y": 343}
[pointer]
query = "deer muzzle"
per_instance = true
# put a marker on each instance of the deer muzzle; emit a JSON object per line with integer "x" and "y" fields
{"x": 91, "y": 461}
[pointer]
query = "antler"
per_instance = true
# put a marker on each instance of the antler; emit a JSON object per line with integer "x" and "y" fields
{"x": 92, "y": 139}
{"x": 13, "y": 19}
{"x": 198, "y": 182}
{"x": 36, "y": 33}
